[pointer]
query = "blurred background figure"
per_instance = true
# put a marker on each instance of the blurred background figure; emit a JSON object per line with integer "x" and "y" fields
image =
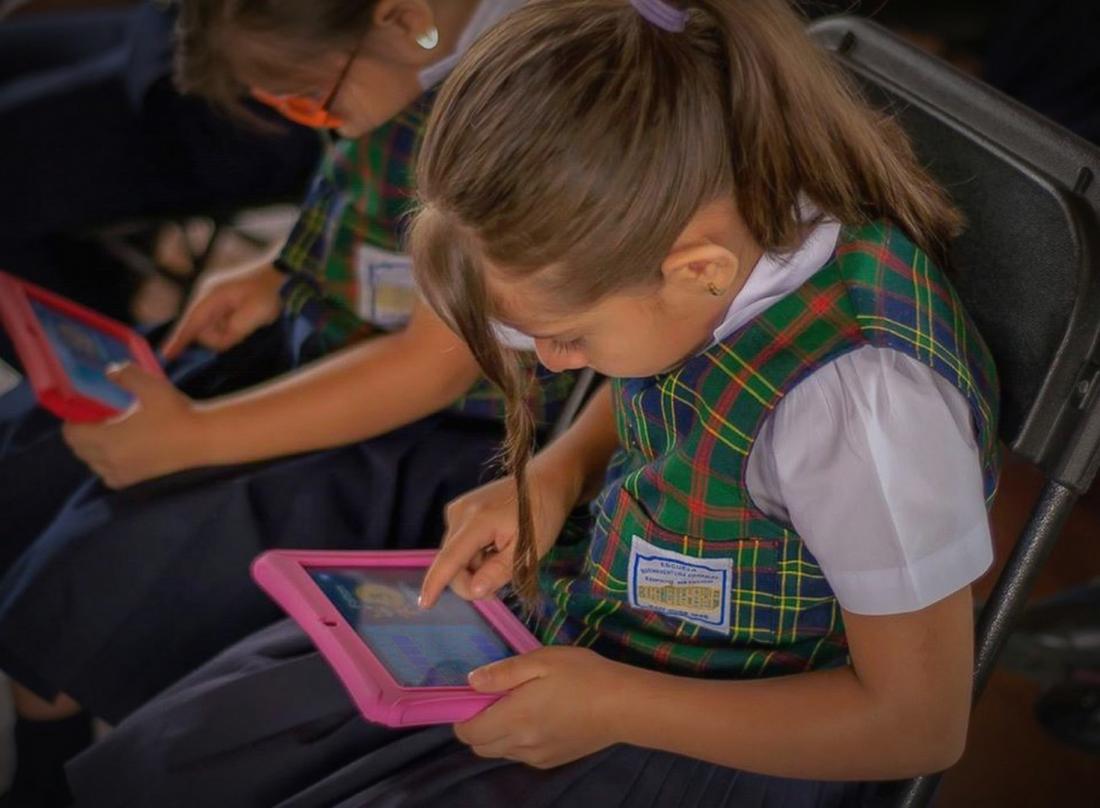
{"x": 93, "y": 133}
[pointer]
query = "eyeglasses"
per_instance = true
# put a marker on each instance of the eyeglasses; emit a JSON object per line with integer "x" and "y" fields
{"x": 308, "y": 111}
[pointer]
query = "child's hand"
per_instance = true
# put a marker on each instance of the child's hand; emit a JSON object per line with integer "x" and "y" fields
{"x": 561, "y": 706}
{"x": 158, "y": 435}
{"x": 482, "y": 526}
{"x": 226, "y": 308}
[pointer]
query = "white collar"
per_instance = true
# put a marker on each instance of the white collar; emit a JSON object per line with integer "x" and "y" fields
{"x": 776, "y": 275}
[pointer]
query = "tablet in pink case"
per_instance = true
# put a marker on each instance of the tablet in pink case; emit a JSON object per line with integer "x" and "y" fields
{"x": 66, "y": 350}
{"x": 403, "y": 666}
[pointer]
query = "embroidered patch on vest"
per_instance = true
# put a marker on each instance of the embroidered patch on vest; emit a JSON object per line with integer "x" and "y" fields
{"x": 695, "y": 590}
{"x": 387, "y": 291}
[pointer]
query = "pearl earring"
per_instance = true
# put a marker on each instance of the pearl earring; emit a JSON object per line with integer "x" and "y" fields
{"x": 429, "y": 39}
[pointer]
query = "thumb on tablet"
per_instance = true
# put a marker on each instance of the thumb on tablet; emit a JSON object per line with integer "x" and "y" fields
{"x": 132, "y": 379}
{"x": 506, "y": 674}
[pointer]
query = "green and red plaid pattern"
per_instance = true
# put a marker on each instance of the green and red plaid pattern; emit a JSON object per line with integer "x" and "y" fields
{"x": 679, "y": 480}
{"x": 362, "y": 194}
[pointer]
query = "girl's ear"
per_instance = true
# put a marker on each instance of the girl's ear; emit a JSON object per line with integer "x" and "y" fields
{"x": 704, "y": 268}
{"x": 409, "y": 18}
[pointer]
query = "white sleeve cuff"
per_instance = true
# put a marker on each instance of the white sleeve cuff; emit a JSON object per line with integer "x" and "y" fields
{"x": 922, "y": 582}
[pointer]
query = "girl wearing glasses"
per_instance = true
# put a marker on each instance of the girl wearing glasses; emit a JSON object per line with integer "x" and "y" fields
{"x": 386, "y": 420}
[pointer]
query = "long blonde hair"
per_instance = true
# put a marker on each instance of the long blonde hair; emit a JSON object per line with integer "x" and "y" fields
{"x": 575, "y": 141}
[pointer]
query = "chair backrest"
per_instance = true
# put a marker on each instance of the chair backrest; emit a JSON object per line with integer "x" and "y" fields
{"x": 1028, "y": 270}
{"x": 1028, "y": 266}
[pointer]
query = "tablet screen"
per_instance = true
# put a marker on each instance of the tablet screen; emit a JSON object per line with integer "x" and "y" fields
{"x": 85, "y": 353}
{"x": 434, "y": 648}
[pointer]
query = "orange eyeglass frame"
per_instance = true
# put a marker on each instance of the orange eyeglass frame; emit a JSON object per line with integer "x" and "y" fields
{"x": 308, "y": 111}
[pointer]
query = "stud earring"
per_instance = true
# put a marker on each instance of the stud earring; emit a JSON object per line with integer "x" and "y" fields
{"x": 713, "y": 289}
{"x": 429, "y": 39}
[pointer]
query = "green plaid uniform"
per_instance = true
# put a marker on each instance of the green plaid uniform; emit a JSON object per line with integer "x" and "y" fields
{"x": 362, "y": 195}
{"x": 678, "y": 482}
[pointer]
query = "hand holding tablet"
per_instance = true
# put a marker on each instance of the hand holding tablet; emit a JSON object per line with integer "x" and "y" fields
{"x": 403, "y": 666}
{"x": 67, "y": 349}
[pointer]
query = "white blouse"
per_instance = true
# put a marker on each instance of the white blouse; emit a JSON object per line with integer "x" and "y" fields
{"x": 872, "y": 459}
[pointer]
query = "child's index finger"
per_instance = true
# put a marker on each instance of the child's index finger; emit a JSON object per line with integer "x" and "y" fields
{"x": 196, "y": 317}
{"x": 435, "y": 579}
{"x": 452, "y": 559}
{"x": 179, "y": 338}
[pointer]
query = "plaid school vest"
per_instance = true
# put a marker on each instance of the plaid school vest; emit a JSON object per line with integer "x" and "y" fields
{"x": 347, "y": 278}
{"x": 680, "y": 570}
{"x": 359, "y": 198}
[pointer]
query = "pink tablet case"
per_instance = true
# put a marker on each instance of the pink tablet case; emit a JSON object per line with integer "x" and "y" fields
{"x": 282, "y": 574}
{"x": 52, "y": 386}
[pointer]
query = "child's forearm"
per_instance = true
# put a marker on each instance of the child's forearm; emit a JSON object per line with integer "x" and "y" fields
{"x": 580, "y": 456}
{"x": 359, "y": 393}
{"x": 820, "y": 725}
{"x": 905, "y": 713}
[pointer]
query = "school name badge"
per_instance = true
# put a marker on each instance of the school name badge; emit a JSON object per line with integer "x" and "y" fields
{"x": 695, "y": 590}
{"x": 387, "y": 292}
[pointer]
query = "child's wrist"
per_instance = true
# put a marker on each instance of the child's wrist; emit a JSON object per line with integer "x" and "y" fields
{"x": 198, "y": 441}
{"x": 617, "y": 708}
{"x": 553, "y": 473}
{"x": 215, "y": 435}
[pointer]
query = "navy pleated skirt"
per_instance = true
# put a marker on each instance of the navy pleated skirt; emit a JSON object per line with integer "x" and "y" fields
{"x": 38, "y": 473}
{"x": 267, "y": 723}
{"x": 124, "y": 592}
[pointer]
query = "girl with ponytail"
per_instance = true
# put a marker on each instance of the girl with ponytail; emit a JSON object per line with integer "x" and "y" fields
{"x": 787, "y": 470}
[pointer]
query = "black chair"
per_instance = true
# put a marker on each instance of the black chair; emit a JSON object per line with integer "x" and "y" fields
{"x": 1028, "y": 269}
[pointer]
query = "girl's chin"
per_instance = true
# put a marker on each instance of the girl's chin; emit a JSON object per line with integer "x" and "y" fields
{"x": 355, "y": 129}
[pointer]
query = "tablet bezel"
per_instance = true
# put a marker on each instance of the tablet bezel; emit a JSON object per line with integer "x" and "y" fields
{"x": 52, "y": 386}
{"x": 284, "y": 575}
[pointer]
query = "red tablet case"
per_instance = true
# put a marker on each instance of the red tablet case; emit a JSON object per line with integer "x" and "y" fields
{"x": 52, "y": 386}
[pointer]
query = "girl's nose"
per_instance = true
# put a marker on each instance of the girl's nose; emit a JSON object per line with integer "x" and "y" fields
{"x": 556, "y": 360}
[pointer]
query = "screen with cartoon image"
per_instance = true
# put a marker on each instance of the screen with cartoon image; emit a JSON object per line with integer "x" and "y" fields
{"x": 434, "y": 648}
{"x": 85, "y": 353}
